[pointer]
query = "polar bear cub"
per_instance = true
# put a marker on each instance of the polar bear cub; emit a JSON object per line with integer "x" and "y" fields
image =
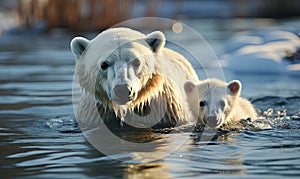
{"x": 216, "y": 103}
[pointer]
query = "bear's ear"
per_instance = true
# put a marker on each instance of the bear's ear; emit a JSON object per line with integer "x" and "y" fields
{"x": 78, "y": 46}
{"x": 189, "y": 87}
{"x": 235, "y": 87}
{"x": 156, "y": 40}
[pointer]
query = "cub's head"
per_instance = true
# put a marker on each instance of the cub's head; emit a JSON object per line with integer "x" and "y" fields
{"x": 117, "y": 64}
{"x": 212, "y": 100}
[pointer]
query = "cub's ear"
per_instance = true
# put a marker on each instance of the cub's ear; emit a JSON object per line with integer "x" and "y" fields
{"x": 235, "y": 87}
{"x": 78, "y": 46}
{"x": 156, "y": 40}
{"x": 189, "y": 87}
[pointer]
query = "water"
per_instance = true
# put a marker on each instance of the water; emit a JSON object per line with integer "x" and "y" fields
{"x": 39, "y": 136}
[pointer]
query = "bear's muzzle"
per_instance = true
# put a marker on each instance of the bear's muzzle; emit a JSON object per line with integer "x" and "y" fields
{"x": 122, "y": 94}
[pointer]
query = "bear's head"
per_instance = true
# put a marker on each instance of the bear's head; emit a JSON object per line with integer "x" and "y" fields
{"x": 117, "y": 64}
{"x": 212, "y": 100}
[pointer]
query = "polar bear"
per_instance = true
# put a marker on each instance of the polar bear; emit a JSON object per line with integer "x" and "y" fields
{"x": 132, "y": 78}
{"x": 216, "y": 103}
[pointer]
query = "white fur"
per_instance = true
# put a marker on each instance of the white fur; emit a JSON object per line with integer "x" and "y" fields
{"x": 122, "y": 49}
{"x": 215, "y": 91}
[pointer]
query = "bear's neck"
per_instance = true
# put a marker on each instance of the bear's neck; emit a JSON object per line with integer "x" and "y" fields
{"x": 156, "y": 88}
{"x": 152, "y": 89}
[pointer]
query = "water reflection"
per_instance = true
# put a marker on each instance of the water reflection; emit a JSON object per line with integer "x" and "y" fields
{"x": 142, "y": 147}
{"x": 149, "y": 170}
{"x": 227, "y": 159}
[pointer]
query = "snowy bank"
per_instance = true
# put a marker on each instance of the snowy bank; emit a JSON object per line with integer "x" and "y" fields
{"x": 263, "y": 52}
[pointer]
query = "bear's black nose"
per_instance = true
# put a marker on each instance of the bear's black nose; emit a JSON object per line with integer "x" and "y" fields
{"x": 122, "y": 91}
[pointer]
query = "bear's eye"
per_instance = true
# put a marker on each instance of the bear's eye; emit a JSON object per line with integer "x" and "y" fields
{"x": 104, "y": 65}
{"x": 202, "y": 103}
{"x": 136, "y": 62}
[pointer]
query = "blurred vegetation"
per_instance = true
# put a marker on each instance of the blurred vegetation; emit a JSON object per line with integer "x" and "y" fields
{"x": 100, "y": 14}
{"x": 75, "y": 14}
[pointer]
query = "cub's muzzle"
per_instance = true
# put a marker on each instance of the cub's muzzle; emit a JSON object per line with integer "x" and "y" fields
{"x": 212, "y": 121}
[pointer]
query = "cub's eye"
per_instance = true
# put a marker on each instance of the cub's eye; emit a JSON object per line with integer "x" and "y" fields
{"x": 104, "y": 65}
{"x": 136, "y": 62}
{"x": 202, "y": 103}
{"x": 222, "y": 103}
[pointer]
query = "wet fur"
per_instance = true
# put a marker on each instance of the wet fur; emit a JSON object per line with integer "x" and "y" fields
{"x": 162, "y": 85}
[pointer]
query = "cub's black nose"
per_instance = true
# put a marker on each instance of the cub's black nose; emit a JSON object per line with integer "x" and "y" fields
{"x": 212, "y": 121}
